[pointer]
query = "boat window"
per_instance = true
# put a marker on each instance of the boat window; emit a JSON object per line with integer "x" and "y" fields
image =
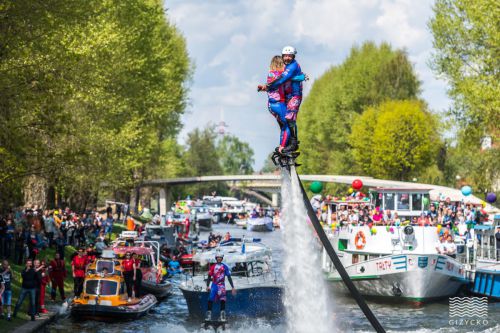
{"x": 355, "y": 258}
{"x": 101, "y": 264}
{"x": 403, "y": 201}
{"x": 108, "y": 287}
{"x": 378, "y": 199}
{"x": 389, "y": 201}
{"x": 91, "y": 287}
{"x": 416, "y": 201}
{"x": 239, "y": 269}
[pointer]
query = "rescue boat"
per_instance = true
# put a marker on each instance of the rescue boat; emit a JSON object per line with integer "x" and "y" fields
{"x": 104, "y": 295}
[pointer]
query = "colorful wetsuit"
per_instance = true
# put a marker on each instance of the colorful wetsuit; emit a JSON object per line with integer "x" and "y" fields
{"x": 292, "y": 88}
{"x": 218, "y": 273}
{"x": 276, "y": 102}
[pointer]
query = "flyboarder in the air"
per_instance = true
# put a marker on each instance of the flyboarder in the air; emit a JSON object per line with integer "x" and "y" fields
{"x": 276, "y": 99}
{"x": 289, "y": 83}
{"x": 293, "y": 93}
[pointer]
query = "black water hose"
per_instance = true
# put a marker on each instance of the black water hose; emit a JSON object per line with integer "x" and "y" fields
{"x": 336, "y": 261}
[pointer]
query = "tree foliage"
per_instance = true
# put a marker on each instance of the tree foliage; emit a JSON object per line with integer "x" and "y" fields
{"x": 235, "y": 156}
{"x": 370, "y": 75}
{"x": 467, "y": 41}
{"x": 395, "y": 140}
{"x": 90, "y": 91}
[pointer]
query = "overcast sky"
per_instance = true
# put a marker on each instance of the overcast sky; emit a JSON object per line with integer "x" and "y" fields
{"x": 231, "y": 43}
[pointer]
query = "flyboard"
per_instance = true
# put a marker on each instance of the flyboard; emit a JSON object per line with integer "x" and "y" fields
{"x": 288, "y": 162}
{"x": 214, "y": 324}
{"x": 283, "y": 160}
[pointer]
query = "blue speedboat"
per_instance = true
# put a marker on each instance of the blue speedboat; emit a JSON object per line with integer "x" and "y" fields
{"x": 259, "y": 290}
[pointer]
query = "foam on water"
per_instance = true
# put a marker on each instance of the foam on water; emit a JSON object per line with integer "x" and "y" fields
{"x": 308, "y": 308}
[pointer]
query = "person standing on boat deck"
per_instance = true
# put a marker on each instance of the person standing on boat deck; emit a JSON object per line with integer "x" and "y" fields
{"x": 78, "y": 264}
{"x": 129, "y": 267}
{"x": 138, "y": 275}
{"x": 217, "y": 274}
{"x": 451, "y": 248}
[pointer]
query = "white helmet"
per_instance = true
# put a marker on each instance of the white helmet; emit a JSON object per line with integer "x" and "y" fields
{"x": 289, "y": 50}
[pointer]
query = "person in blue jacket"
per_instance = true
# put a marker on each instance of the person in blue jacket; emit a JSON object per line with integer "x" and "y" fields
{"x": 293, "y": 93}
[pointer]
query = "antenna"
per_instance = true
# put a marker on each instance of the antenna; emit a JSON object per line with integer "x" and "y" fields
{"x": 221, "y": 126}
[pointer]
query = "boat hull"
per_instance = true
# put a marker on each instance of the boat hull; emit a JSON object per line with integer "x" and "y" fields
{"x": 257, "y": 301}
{"x": 159, "y": 290}
{"x": 486, "y": 283}
{"x": 103, "y": 312}
{"x": 260, "y": 224}
{"x": 405, "y": 277}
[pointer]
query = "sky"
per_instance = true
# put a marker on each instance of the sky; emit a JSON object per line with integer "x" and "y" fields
{"x": 231, "y": 43}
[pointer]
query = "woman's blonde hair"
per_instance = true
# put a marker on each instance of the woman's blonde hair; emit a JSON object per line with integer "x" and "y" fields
{"x": 277, "y": 63}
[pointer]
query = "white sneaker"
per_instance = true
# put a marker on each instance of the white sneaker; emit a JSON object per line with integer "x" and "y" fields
{"x": 223, "y": 315}
{"x": 129, "y": 300}
{"x": 208, "y": 316}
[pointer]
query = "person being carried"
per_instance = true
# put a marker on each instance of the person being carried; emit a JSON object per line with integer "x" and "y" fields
{"x": 217, "y": 274}
{"x": 293, "y": 93}
{"x": 276, "y": 99}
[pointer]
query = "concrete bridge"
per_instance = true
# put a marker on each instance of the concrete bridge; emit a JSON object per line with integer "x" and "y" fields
{"x": 271, "y": 183}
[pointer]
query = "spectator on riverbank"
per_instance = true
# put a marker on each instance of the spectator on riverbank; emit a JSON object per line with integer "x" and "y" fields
{"x": 29, "y": 282}
{"x": 6, "y": 298}
{"x": 57, "y": 273}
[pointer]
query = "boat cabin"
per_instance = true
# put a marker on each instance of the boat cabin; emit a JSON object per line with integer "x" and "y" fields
{"x": 407, "y": 203}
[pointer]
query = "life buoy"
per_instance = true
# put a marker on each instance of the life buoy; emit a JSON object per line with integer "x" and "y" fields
{"x": 360, "y": 236}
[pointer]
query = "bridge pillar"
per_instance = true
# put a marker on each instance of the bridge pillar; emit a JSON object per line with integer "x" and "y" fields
{"x": 275, "y": 199}
{"x": 165, "y": 200}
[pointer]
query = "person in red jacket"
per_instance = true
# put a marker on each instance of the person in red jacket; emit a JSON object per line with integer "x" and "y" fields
{"x": 57, "y": 273}
{"x": 43, "y": 285}
{"x": 79, "y": 265}
{"x": 129, "y": 268}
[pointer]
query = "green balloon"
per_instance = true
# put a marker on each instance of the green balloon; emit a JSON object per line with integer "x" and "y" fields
{"x": 316, "y": 187}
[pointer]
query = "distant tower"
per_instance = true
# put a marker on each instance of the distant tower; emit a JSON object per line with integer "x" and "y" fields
{"x": 221, "y": 126}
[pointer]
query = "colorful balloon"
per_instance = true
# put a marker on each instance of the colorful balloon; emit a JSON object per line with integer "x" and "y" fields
{"x": 491, "y": 197}
{"x": 316, "y": 187}
{"x": 373, "y": 230}
{"x": 357, "y": 184}
{"x": 350, "y": 190}
{"x": 466, "y": 190}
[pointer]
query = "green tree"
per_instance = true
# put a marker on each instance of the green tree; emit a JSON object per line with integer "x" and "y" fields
{"x": 235, "y": 156}
{"x": 90, "y": 92}
{"x": 370, "y": 75}
{"x": 466, "y": 41}
{"x": 395, "y": 140}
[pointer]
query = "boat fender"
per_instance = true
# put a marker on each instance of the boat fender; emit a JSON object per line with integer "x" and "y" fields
{"x": 360, "y": 240}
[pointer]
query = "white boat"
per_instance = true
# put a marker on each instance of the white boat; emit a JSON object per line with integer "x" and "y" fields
{"x": 260, "y": 223}
{"x": 259, "y": 288}
{"x": 396, "y": 261}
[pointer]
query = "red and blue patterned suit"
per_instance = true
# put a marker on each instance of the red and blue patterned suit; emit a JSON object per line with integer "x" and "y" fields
{"x": 218, "y": 273}
{"x": 292, "y": 88}
{"x": 277, "y": 107}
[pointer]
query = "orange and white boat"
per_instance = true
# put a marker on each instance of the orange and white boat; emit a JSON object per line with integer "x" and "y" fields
{"x": 104, "y": 294}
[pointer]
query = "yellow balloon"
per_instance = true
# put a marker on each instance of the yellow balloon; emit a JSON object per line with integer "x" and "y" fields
{"x": 350, "y": 190}
{"x": 483, "y": 204}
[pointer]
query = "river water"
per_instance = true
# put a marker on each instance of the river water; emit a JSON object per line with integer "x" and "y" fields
{"x": 172, "y": 315}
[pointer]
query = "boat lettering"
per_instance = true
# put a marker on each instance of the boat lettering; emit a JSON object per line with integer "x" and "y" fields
{"x": 383, "y": 265}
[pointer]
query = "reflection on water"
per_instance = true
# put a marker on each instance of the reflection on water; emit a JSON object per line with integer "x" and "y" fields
{"x": 172, "y": 315}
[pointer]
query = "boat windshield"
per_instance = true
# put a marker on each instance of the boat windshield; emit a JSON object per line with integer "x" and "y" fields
{"x": 108, "y": 265}
{"x": 101, "y": 287}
